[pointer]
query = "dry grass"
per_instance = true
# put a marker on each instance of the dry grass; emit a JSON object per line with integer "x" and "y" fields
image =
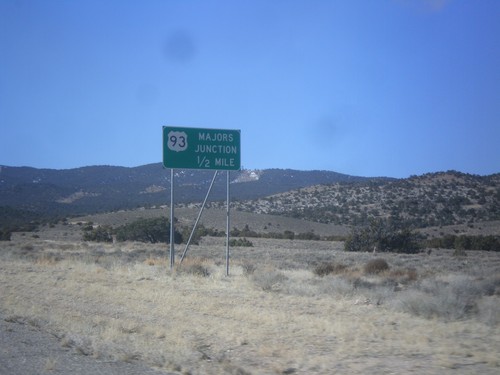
{"x": 376, "y": 266}
{"x": 433, "y": 314}
{"x": 195, "y": 266}
{"x": 328, "y": 268}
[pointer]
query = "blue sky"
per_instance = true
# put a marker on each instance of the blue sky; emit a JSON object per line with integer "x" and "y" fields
{"x": 371, "y": 88}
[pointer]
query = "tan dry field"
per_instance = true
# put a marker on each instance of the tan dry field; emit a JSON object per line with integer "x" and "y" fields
{"x": 428, "y": 314}
{"x": 216, "y": 218}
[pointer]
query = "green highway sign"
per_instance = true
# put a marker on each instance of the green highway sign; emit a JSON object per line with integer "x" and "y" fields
{"x": 195, "y": 148}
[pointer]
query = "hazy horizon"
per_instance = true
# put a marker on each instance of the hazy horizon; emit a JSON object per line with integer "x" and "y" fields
{"x": 245, "y": 168}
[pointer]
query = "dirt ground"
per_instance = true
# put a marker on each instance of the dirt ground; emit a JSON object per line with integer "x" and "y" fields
{"x": 81, "y": 308}
{"x": 26, "y": 349}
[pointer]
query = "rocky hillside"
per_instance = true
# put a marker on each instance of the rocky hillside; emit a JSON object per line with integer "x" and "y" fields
{"x": 435, "y": 199}
{"x": 29, "y": 194}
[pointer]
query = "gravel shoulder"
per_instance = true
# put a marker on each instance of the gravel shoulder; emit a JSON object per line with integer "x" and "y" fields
{"x": 25, "y": 349}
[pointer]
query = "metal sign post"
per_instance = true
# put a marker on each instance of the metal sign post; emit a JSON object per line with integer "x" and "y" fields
{"x": 227, "y": 227}
{"x": 172, "y": 228}
{"x": 198, "y": 218}
{"x": 198, "y": 148}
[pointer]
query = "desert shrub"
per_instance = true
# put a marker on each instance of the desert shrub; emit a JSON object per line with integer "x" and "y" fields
{"x": 147, "y": 230}
{"x": 268, "y": 279}
{"x": 245, "y": 232}
{"x": 361, "y": 283}
{"x": 335, "y": 238}
{"x": 358, "y": 240}
{"x": 459, "y": 253}
{"x": 201, "y": 231}
{"x": 27, "y": 248}
{"x": 19, "y": 220}
{"x": 99, "y": 234}
{"x": 404, "y": 275}
{"x": 401, "y": 241}
{"x": 248, "y": 268}
{"x": 489, "y": 243}
{"x": 383, "y": 236}
{"x": 194, "y": 266}
{"x": 5, "y": 235}
{"x": 272, "y": 235}
{"x": 465, "y": 242}
{"x": 454, "y": 299}
{"x": 240, "y": 242}
{"x": 196, "y": 269}
{"x": 327, "y": 268}
{"x": 445, "y": 242}
{"x": 462, "y": 243}
{"x": 310, "y": 236}
{"x": 376, "y": 266}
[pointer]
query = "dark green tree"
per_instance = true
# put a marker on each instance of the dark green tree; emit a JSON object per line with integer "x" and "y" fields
{"x": 147, "y": 230}
{"x": 98, "y": 234}
{"x": 5, "y": 234}
{"x": 382, "y": 236}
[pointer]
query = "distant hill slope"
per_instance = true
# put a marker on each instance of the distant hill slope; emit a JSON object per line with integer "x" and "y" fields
{"x": 216, "y": 219}
{"x": 445, "y": 198}
{"x": 435, "y": 199}
{"x": 106, "y": 188}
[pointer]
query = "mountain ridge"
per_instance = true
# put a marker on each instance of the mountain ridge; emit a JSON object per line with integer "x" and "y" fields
{"x": 432, "y": 199}
{"x": 438, "y": 198}
{"x": 104, "y": 188}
